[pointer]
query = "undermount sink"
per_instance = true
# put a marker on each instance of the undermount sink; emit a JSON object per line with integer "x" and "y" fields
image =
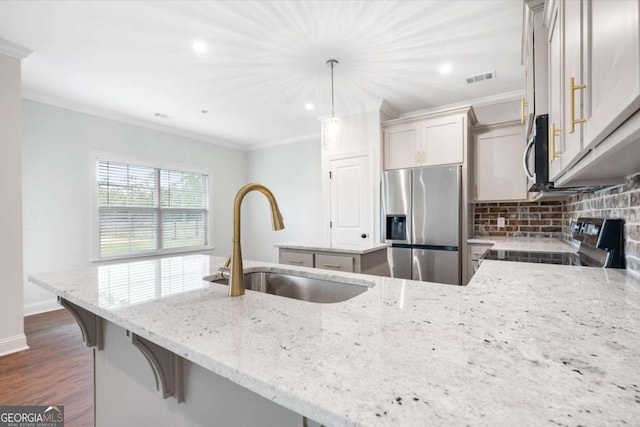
{"x": 297, "y": 287}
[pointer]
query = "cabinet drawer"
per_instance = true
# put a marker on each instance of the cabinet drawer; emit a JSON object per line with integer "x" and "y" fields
{"x": 334, "y": 262}
{"x": 301, "y": 259}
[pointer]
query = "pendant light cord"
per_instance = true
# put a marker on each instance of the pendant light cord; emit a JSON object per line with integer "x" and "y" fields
{"x": 331, "y": 63}
{"x": 332, "y": 109}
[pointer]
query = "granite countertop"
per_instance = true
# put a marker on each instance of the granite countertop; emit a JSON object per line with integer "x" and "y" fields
{"x": 522, "y": 344}
{"x": 323, "y": 248}
{"x": 533, "y": 244}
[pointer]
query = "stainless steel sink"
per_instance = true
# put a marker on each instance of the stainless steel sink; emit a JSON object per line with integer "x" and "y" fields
{"x": 297, "y": 287}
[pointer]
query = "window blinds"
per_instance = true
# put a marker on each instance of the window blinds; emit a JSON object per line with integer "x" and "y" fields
{"x": 148, "y": 210}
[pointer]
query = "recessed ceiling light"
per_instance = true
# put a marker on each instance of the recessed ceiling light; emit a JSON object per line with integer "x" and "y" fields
{"x": 200, "y": 47}
{"x": 445, "y": 68}
{"x": 308, "y": 106}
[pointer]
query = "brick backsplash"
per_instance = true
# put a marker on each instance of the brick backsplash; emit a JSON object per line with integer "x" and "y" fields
{"x": 614, "y": 202}
{"x": 522, "y": 219}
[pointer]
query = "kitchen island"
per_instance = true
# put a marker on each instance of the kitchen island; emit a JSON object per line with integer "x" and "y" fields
{"x": 366, "y": 260}
{"x": 521, "y": 344}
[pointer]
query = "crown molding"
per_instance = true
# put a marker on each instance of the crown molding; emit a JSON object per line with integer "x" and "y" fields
{"x": 122, "y": 118}
{"x": 477, "y": 102}
{"x": 387, "y": 109}
{"x": 14, "y": 50}
{"x": 287, "y": 141}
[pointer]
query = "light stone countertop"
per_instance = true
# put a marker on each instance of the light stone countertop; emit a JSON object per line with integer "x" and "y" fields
{"x": 533, "y": 244}
{"x": 522, "y": 344}
{"x": 323, "y": 248}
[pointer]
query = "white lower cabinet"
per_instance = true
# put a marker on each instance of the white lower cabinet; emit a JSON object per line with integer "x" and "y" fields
{"x": 499, "y": 174}
{"x": 476, "y": 250}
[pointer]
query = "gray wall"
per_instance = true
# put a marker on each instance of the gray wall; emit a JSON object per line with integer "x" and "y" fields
{"x": 58, "y": 164}
{"x": 292, "y": 172}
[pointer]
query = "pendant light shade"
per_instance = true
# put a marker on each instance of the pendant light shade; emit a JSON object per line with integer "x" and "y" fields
{"x": 332, "y": 127}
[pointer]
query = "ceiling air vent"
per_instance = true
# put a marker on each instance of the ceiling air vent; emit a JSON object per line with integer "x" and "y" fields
{"x": 481, "y": 77}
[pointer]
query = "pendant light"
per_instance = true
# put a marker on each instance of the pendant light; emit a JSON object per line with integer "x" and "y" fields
{"x": 331, "y": 127}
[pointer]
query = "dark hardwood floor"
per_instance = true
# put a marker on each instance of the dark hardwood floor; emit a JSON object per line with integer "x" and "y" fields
{"x": 56, "y": 370}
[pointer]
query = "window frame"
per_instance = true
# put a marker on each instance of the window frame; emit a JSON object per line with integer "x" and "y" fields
{"x": 158, "y": 167}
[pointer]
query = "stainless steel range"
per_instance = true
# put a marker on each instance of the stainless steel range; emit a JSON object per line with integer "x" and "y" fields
{"x": 601, "y": 245}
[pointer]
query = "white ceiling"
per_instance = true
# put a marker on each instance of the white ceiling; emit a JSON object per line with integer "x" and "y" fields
{"x": 265, "y": 59}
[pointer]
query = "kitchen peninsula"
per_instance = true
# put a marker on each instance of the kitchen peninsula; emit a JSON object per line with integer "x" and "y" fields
{"x": 521, "y": 344}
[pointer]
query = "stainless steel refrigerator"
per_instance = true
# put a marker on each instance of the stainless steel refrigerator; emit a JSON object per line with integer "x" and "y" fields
{"x": 421, "y": 221}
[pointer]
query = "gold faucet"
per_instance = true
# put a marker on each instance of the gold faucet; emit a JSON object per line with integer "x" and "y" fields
{"x": 236, "y": 281}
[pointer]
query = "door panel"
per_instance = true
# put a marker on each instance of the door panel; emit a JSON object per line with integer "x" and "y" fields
{"x": 400, "y": 146}
{"x": 351, "y": 203}
{"x": 396, "y": 200}
{"x": 436, "y": 206}
{"x": 436, "y": 266}
{"x": 442, "y": 141}
{"x": 400, "y": 262}
{"x": 612, "y": 65}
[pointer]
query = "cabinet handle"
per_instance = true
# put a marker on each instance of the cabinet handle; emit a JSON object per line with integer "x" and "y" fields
{"x": 295, "y": 261}
{"x": 422, "y": 157}
{"x": 523, "y": 104}
{"x": 332, "y": 265}
{"x": 573, "y": 87}
{"x": 553, "y": 131}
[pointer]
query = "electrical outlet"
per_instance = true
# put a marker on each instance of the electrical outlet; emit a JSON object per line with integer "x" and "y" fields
{"x": 500, "y": 222}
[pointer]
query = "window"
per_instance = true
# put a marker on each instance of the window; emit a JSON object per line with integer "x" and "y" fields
{"x": 144, "y": 210}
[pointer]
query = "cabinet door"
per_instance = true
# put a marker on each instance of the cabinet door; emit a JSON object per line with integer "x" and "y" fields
{"x": 612, "y": 65}
{"x": 442, "y": 141}
{"x": 498, "y": 165}
{"x": 401, "y": 146}
{"x": 572, "y": 32}
{"x": 556, "y": 77}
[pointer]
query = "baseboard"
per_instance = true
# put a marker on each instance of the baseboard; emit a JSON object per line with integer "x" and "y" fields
{"x": 13, "y": 344}
{"x": 41, "y": 307}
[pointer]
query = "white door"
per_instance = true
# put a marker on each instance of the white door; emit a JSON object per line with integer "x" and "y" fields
{"x": 351, "y": 203}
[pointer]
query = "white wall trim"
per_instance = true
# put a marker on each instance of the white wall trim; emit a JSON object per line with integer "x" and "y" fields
{"x": 41, "y": 307}
{"x": 13, "y": 344}
{"x": 14, "y": 50}
{"x": 122, "y": 118}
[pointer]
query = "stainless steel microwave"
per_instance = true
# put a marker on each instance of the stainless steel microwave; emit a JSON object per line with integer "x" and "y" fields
{"x": 536, "y": 156}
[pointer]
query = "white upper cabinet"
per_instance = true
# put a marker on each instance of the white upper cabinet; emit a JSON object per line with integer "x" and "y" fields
{"x": 498, "y": 163}
{"x": 424, "y": 142}
{"x": 593, "y": 90}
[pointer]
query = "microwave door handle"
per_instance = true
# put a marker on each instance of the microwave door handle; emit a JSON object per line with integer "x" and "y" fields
{"x": 525, "y": 157}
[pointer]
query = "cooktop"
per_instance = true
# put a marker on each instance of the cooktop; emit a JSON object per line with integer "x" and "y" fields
{"x": 562, "y": 258}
